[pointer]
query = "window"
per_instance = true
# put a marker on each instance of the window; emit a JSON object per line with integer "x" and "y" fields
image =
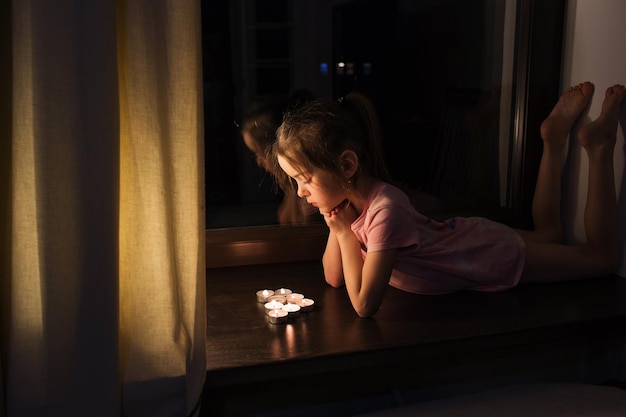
{"x": 461, "y": 87}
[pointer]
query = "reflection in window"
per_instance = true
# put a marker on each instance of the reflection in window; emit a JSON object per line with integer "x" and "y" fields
{"x": 440, "y": 74}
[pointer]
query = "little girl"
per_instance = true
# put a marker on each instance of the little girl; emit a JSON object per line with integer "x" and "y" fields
{"x": 377, "y": 238}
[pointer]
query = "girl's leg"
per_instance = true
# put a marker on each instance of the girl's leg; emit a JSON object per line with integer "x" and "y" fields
{"x": 551, "y": 261}
{"x": 546, "y": 206}
{"x": 598, "y": 138}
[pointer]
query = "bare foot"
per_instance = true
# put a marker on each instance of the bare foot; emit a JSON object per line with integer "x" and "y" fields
{"x": 603, "y": 130}
{"x": 571, "y": 103}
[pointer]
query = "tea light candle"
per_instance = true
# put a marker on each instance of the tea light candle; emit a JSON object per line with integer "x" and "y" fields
{"x": 274, "y": 305}
{"x": 306, "y": 305}
{"x": 277, "y": 316}
{"x": 263, "y": 295}
{"x": 294, "y": 298}
{"x": 292, "y": 309}
{"x": 283, "y": 291}
{"x": 279, "y": 298}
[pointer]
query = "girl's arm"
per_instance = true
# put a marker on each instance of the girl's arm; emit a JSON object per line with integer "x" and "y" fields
{"x": 366, "y": 282}
{"x": 331, "y": 261}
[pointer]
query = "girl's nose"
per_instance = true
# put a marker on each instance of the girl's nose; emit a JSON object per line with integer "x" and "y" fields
{"x": 301, "y": 192}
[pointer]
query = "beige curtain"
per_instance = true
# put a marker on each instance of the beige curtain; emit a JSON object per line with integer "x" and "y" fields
{"x": 101, "y": 208}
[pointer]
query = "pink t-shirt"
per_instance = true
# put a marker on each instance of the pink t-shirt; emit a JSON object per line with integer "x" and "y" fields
{"x": 472, "y": 253}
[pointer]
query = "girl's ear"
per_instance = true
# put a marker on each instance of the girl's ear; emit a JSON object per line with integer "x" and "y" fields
{"x": 349, "y": 161}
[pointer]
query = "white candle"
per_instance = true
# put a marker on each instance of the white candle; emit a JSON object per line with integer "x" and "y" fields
{"x": 294, "y": 298}
{"x": 263, "y": 295}
{"x": 306, "y": 305}
{"x": 283, "y": 291}
{"x": 274, "y": 305}
{"x": 277, "y": 316}
{"x": 292, "y": 309}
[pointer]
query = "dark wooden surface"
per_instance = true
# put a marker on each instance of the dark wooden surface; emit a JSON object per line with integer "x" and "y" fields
{"x": 429, "y": 336}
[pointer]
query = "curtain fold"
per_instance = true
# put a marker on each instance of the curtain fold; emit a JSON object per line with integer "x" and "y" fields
{"x": 103, "y": 300}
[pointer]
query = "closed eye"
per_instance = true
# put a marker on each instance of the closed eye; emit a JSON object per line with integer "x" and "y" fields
{"x": 301, "y": 178}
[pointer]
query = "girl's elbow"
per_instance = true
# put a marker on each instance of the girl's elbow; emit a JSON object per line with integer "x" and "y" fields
{"x": 366, "y": 310}
{"x": 334, "y": 281}
{"x": 364, "y": 314}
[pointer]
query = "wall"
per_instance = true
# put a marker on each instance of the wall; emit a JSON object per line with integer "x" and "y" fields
{"x": 594, "y": 32}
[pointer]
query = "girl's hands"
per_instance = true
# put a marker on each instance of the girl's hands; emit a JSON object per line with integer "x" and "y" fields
{"x": 341, "y": 217}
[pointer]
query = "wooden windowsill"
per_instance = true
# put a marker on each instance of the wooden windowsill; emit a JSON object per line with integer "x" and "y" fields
{"x": 415, "y": 345}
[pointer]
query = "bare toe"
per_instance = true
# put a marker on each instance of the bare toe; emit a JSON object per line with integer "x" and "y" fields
{"x": 603, "y": 130}
{"x": 570, "y": 105}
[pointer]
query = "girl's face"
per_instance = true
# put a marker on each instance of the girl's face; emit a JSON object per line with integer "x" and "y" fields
{"x": 320, "y": 189}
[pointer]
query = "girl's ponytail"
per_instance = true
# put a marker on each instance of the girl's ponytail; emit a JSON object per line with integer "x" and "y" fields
{"x": 372, "y": 134}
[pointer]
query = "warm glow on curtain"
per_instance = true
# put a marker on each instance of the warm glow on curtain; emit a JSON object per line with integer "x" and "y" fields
{"x": 102, "y": 250}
